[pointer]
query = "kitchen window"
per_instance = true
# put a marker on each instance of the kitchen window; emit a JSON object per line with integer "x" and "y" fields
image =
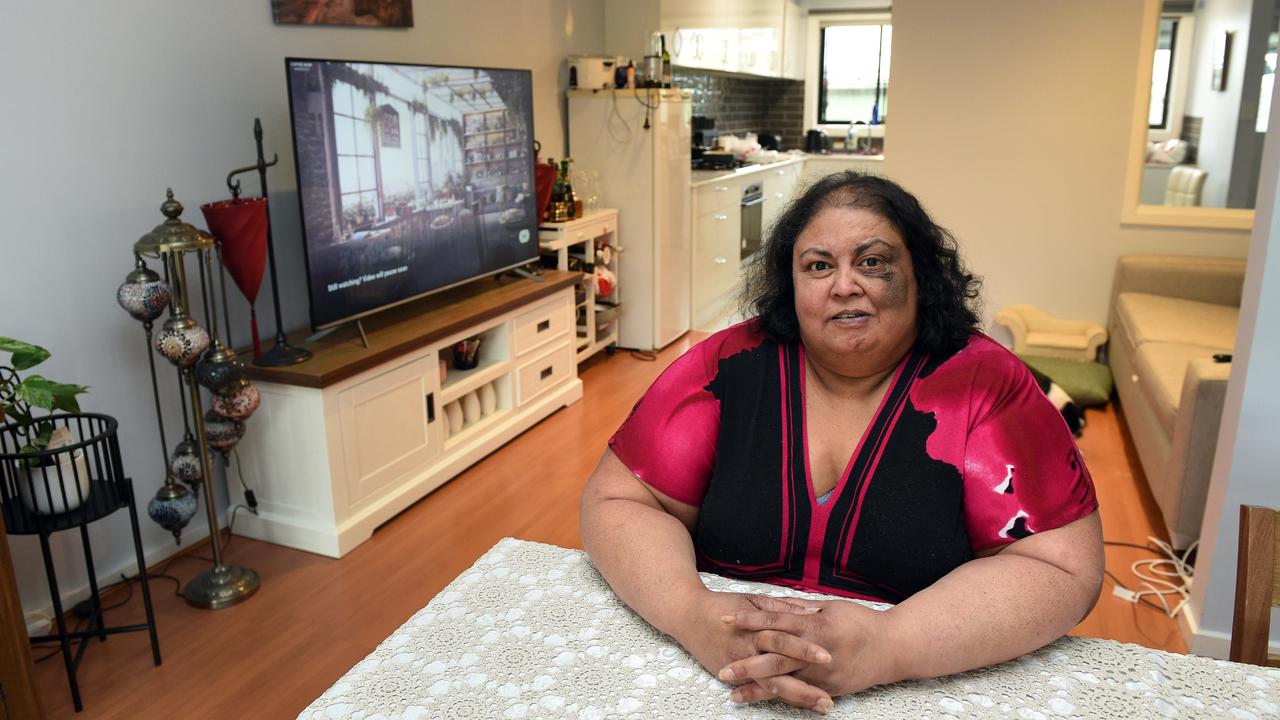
{"x": 854, "y": 66}
{"x": 1162, "y": 74}
{"x": 1170, "y": 76}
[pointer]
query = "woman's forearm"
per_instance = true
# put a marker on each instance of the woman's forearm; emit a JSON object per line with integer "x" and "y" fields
{"x": 996, "y": 608}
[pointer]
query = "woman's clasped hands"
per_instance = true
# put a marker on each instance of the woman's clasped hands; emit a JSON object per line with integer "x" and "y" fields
{"x": 801, "y": 652}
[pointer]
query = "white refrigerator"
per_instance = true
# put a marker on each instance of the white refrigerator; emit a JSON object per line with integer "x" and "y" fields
{"x": 637, "y": 141}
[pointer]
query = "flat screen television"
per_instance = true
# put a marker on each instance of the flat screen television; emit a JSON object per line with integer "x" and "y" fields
{"x": 411, "y": 179}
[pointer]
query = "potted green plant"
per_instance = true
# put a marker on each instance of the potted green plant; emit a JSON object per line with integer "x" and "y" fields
{"x": 20, "y": 398}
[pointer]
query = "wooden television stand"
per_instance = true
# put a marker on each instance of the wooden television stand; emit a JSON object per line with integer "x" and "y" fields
{"x": 348, "y": 439}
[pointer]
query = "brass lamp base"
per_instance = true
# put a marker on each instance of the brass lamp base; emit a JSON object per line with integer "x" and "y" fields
{"x": 222, "y": 586}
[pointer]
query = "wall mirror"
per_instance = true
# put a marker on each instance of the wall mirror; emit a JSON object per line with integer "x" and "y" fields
{"x": 1200, "y": 112}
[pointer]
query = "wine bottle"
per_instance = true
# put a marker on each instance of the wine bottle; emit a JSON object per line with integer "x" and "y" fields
{"x": 555, "y": 209}
{"x": 570, "y": 197}
{"x": 666, "y": 62}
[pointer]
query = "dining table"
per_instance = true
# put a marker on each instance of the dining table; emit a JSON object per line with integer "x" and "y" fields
{"x": 533, "y": 631}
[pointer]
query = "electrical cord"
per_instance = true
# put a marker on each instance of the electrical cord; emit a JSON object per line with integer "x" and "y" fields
{"x": 231, "y": 526}
{"x": 249, "y": 496}
{"x": 1143, "y": 601}
{"x": 648, "y": 107}
{"x": 160, "y": 574}
{"x": 1116, "y": 543}
{"x": 645, "y": 355}
{"x": 614, "y": 113}
{"x": 1156, "y": 576}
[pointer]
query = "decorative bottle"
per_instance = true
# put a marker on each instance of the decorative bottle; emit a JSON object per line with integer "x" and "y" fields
{"x": 666, "y": 62}
{"x": 570, "y": 197}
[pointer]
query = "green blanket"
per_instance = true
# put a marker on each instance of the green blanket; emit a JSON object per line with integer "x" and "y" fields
{"x": 1088, "y": 383}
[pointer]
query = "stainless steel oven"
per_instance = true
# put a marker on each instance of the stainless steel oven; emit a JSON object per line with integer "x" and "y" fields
{"x": 752, "y": 216}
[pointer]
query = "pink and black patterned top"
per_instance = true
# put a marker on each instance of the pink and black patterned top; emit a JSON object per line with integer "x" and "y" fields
{"x": 964, "y": 454}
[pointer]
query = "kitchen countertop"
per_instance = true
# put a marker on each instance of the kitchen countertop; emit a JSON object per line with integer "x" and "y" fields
{"x": 700, "y": 178}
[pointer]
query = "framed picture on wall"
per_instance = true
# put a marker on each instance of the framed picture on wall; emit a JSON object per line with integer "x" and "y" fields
{"x": 361, "y": 13}
{"x": 1221, "y": 57}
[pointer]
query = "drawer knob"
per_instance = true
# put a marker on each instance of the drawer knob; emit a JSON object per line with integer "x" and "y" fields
{"x": 720, "y": 216}
{"x": 721, "y": 188}
{"x": 544, "y": 325}
{"x": 721, "y": 261}
{"x": 546, "y": 373}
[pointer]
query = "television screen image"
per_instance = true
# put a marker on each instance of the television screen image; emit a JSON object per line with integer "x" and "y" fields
{"x": 411, "y": 178}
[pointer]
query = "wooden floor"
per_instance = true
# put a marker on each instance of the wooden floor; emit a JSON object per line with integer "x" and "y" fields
{"x": 315, "y": 617}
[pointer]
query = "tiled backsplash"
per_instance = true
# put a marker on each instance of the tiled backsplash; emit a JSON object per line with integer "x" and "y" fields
{"x": 745, "y": 104}
{"x": 1191, "y": 133}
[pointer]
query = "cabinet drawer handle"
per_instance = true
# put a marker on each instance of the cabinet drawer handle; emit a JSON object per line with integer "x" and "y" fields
{"x": 546, "y": 373}
{"x": 720, "y": 216}
{"x": 721, "y": 261}
{"x": 544, "y": 325}
{"x": 431, "y": 408}
{"x": 781, "y": 172}
{"x": 721, "y": 188}
{"x": 778, "y": 195}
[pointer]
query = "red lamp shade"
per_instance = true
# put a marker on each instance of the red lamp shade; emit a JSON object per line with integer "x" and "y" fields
{"x": 241, "y": 226}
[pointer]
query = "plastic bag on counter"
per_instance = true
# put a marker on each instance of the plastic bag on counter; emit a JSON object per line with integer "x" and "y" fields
{"x": 741, "y": 147}
{"x": 1168, "y": 152}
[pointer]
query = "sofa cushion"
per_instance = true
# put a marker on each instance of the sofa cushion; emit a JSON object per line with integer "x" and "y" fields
{"x": 1161, "y": 368}
{"x": 1148, "y": 318}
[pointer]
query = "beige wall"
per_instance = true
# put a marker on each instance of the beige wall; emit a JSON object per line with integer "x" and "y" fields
{"x": 107, "y": 103}
{"x": 1010, "y": 121}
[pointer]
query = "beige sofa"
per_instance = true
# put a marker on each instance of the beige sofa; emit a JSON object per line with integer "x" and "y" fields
{"x": 1169, "y": 315}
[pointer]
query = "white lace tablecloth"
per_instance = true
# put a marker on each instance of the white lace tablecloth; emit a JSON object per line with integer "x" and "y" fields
{"x": 533, "y": 631}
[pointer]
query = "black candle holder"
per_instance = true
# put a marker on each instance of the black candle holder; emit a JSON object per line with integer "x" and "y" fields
{"x": 282, "y": 353}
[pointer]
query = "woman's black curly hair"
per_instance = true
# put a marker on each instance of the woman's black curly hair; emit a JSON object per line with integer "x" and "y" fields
{"x": 947, "y": 293}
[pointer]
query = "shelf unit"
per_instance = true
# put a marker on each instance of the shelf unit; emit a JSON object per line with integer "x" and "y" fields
{"x": 580, "y": 239}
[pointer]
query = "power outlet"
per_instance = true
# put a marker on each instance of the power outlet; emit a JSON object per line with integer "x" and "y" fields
{"x": 37, "y": 624}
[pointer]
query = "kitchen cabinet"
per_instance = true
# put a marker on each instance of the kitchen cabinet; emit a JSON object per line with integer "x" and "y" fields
{"x": 757, "y": 37}
{"x": 795, "y": 20}
{"x": 821, "y": 165}
{"x": 779, "y": 185}
{"x": 717, "y": 239}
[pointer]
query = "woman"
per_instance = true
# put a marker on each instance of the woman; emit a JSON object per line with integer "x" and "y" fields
{"x": 858, "y": 437}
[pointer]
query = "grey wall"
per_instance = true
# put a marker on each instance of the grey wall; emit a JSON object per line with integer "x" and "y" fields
{"x": 108, "y": 103}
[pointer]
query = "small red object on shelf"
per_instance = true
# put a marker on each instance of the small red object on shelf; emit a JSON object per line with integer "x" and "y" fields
{"x": 544, "y": 176}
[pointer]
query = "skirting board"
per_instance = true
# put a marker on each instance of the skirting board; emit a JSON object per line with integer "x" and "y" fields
{"x": 152, "y": 557}
{"x": 1208, "y": 643}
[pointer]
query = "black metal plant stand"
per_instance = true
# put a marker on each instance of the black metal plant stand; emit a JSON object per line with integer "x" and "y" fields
{"x": 78, "y": 484}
